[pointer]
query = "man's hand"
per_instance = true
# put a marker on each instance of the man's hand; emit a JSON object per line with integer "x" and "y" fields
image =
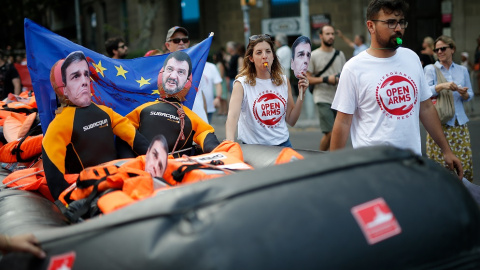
{"x": 454, "y": 164}
{"x": 21, "y": 243}
{"x": 332, "y": 79}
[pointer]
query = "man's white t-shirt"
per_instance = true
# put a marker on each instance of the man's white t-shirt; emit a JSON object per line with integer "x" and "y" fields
{"x": 384, "y": 96}
{"x": 198, "y": 105}
{"x": 284, "y": 54}
{"x": 210, "y": 78}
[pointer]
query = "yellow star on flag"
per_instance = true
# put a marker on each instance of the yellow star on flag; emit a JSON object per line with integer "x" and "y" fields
{"x": 99, "y": 68}
{"x": 142, "y": 81}
{"x": 155, "y": 92}
{"x": 121, "y": 72}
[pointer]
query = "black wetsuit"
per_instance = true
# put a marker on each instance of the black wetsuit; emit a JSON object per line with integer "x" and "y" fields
{"x": 78, "y": 138}
{"x": 159, "y": 117}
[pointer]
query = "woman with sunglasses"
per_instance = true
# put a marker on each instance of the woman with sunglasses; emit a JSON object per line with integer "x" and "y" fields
{"x": 458, "y": 81}
{"x": 262, "y": 103}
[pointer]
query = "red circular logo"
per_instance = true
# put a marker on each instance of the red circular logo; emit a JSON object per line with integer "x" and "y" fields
{"x": 269, "y": 109}
{"x": 397, "y": 95}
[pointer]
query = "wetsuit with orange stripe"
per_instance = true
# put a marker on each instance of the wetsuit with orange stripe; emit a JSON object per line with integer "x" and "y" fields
{"x": 78, "y": 138}
{"x": 159, "y": 117}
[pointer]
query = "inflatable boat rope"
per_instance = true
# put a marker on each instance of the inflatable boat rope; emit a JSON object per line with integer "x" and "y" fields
{"x": 209, "y": 165}
{"x": 2, "y": 186}
{"x": 182, "y": 150}
{"x": 181, "y": 115}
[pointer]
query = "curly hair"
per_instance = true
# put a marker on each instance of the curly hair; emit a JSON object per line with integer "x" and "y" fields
{"x": 388, "y": 6}
{"x": 248, "y": 70}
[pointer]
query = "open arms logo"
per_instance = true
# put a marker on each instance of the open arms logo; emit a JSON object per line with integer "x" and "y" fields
{"x": 269, "y": 108}
{"x": 397, "y": 95}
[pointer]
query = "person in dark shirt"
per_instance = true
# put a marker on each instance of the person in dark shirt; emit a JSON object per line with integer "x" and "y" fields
{"x": 9, "y": 78}
{"x": 232, "y": 67}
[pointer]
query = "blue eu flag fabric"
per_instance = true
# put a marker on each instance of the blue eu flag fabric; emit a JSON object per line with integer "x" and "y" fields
{"x": 121, "y": 85}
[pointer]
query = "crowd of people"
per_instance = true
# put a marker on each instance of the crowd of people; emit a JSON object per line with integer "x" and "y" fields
{"x": 377, "y": 97}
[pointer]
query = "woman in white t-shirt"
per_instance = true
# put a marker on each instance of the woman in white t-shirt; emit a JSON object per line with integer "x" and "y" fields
{"x": 262, "y": 103}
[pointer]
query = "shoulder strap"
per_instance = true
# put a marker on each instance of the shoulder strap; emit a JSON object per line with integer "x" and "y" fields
{"x": 440, "y": 77}
{"x": 329, "y": 63}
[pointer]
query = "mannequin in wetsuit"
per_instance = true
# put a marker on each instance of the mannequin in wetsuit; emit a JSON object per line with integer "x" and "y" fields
{"x": 82, "y": 133}
{"x": 180, "y": 126}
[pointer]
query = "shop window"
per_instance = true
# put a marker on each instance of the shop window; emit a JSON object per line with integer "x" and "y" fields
{"x": 191, "y": 17}
{"x": 284, "y": 8}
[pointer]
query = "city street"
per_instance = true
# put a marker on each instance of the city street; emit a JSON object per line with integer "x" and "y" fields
{"x": 306, "y": 134}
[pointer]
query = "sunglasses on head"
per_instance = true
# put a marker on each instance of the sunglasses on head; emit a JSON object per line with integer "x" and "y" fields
{"x": 177, "y": 40}
{"x": 264, "y": 36}
{"x": 443, "y": 49}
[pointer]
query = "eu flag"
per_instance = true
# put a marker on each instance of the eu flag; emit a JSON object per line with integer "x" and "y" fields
{"x": 121, "y": 84}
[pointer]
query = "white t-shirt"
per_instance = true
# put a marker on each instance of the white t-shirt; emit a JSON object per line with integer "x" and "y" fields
{"x": 284, "y": 55}
{"x": 210, "y": 77}
{"x": 262, "y": 116}
{"x": 384, "y": 96}
{"x": 198, "y": 107}
{"x": 324, "y": 92}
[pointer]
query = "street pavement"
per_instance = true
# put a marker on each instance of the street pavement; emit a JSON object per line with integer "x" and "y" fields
{"x": 306, "y": 134}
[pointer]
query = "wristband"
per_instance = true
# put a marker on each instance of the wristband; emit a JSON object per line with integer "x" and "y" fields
{"x": 325, "y": 79}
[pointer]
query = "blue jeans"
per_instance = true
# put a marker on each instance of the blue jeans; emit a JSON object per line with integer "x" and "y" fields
{"x": 209, "y": 117}
{"x": 286, "y": 143}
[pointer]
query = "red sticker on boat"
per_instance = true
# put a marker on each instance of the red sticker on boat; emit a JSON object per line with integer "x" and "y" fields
{"x": 376, "y": 220}
{"x": 62, "y": 261}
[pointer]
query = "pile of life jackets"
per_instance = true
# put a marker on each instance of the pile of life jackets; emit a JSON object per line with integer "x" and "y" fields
{"x": 21, "y": 134}
{"x": 110, "y": 186}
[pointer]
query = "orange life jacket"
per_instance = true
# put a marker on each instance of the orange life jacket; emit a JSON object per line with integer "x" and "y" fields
{"x": 98, "y": 173}
{"x": 111, "y": 175}
{"x": 24, "y": 137}
{"x": 93, "y": 183}
{"x": 23, "y": 150}
{"x": 287, "y": 155}
{"x": 32, "y": 179}
{"x": 20, "y": 107}
{"x": 5, "y": 114}
{"x": 131, "y": 183}
{"x": 202, "y": 167}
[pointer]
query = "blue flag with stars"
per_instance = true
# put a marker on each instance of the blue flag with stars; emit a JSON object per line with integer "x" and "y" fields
{"x": 121, "y": 84}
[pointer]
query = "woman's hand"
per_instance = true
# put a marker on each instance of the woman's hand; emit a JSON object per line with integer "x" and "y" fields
{"x": 446, "y": 85}
{"x": 302, "y": 84}
{"x": 463, "y": 92}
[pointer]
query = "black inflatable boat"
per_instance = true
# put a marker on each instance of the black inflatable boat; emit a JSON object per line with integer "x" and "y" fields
{"x": 370, "y": 208}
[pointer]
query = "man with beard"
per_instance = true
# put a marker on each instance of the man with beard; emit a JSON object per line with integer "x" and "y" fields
{"x": 180, "y": 126}
{"x": 177, "y": 39}
{"x": 383, "y": 92}
{"x": 116, "y": 48}
{"x": 325, "y": 81}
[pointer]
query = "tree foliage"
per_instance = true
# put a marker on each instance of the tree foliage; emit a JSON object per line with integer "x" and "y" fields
{"x": 13, "y": 13}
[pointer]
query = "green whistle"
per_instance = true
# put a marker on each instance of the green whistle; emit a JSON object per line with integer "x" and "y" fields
{"x": 399, "y": 41}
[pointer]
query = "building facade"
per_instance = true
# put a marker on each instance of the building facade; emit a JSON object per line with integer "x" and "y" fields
{"x": 144, "y": 23}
